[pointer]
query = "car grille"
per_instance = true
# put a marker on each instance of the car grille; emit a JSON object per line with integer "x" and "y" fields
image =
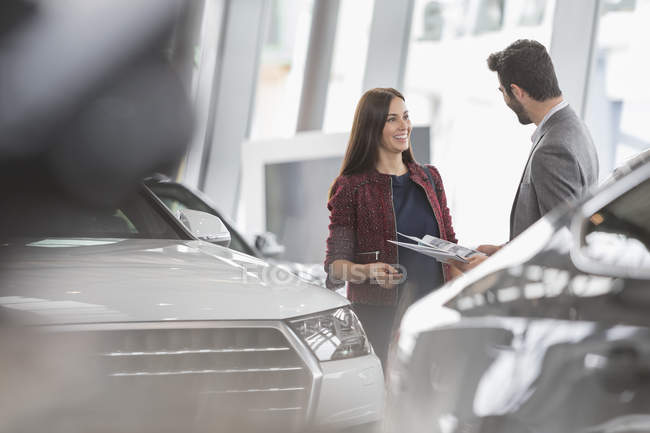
{"x": 197, "y": 379}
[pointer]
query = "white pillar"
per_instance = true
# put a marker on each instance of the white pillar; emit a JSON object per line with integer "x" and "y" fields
{"x": 389, "y": 41}
{"x": 318, "y": 65}
{"x": 233, "y": 99}
{"x": 572, "y": 47}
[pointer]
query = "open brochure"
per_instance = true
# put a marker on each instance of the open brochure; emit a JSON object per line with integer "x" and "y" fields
{"x": 441, "y": 250}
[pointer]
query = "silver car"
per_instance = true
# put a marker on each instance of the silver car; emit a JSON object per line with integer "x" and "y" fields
{"x": 121, "y": 319}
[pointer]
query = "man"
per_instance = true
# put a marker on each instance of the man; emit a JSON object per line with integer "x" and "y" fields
{"x": 563, "y": 162}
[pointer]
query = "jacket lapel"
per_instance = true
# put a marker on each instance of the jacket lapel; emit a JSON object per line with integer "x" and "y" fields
{"x": 420, "y": 177}
{"x": 556, "y": 117}
{"x": 523, "y": 174}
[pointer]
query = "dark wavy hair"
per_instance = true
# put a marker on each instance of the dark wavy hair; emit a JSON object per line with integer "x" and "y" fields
{"x": 367, "y": 128}
{"x": 527, "y": 64}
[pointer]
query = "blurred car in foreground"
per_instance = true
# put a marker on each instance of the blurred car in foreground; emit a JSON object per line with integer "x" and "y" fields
{"x": 120, "y": 319}
{"x": 551, "y": 334}
{"x": 177, "y": 197}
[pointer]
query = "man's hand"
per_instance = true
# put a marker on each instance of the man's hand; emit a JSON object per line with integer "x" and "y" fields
{"x": 489, "y": 249}
{"x": 474, "y": 261}
{"x": 384, "y": 274}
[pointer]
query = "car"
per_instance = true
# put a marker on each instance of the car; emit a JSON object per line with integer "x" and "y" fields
{"x": 122, "y": 319}
{"x": 176, "y": 196}
{"x": 550, "y": 334}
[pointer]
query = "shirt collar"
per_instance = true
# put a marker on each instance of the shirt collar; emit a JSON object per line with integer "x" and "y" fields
{"x": 538, "y": 131}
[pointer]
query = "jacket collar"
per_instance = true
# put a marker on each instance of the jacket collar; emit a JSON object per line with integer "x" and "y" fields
{"x": 416, "y": 173}
{"x": 561, "y": 114}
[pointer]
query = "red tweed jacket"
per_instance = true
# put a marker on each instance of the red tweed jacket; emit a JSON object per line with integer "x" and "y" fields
{"x": 362, "y": 219}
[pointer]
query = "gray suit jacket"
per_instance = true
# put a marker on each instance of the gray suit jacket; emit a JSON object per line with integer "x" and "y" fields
{"x": 562, "y": 166}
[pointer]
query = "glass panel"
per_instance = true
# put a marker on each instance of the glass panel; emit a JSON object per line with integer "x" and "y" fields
{"x": 490, "y": 16}
{"x": 619, "y": 234}
{"x": 281, "y": 69}
{"x": 476, "y": 141}
{"x": 48, "y": 213}
{"x": 348, "y": 63}
{"x": 532, "y": 13}
{"x": 619, "y": 98}
{"x": 432, "y": 21}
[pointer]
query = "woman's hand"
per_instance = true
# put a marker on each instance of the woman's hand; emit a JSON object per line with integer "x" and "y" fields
{"x": 383, "y": 274}
{"x": 380, "y": 273}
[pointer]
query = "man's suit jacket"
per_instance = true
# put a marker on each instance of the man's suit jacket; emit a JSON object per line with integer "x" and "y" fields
{"x": 562, "y": 166}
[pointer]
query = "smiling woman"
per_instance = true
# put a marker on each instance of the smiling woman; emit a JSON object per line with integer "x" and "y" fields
{"x": 397, "y": 130}
{"x": 382, "y": 190}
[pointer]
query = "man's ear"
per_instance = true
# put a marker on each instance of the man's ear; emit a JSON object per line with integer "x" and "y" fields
{"x": 518, "y": 92}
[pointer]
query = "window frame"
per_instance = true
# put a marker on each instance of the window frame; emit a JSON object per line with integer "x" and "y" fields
{"x": 581, "y": 222}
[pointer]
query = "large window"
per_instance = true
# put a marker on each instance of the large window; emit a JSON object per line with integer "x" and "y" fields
{"x": 281, "y": 69}
{"x": 618, "y": 101}
{"x": 348, "y": 63}
{"x": 476, "y": 141}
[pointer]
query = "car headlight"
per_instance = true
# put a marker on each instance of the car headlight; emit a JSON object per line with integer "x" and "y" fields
{"x": 334, "y": 334}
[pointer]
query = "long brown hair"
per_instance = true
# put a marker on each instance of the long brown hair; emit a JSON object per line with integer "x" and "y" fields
{"x": 369, "y": 120}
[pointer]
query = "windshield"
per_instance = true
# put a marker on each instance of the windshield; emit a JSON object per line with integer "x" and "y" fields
{"x": 619, "y": 233}
{"x": 628, "y": 215}
{"x": 51, "y": 213}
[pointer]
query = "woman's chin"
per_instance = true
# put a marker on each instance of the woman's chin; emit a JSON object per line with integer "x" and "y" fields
{"x": 403, "y": 147}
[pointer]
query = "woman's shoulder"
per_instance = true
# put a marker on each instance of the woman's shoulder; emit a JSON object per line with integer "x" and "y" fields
{"x": 425, "y": 168}
{"x": 340, "y": 187}
{"x": 350, "y": 180}
{"x": 432, "y": 169}
{"x": 426, "y": 172}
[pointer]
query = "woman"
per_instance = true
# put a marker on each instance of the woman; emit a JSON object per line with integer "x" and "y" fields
{"x": 382, "y": 190}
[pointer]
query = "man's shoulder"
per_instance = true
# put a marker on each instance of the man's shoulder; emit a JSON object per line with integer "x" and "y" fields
{"x": 566, "y": 129}
{"x": 567, "y": 142}
{"x": 563, "y": 119}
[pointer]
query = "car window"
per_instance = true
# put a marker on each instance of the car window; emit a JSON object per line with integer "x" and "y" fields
{"x": 177, "y": 197}
{"x": 119, "y": 214}
{"x": 619, "y": 233}
{"x": 53, "y": 214}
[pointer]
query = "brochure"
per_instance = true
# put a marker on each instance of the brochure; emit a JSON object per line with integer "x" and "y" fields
{"x": 441, "y": 250}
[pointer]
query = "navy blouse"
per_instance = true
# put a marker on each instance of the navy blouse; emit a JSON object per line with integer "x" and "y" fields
{"x": 415, "y": 218}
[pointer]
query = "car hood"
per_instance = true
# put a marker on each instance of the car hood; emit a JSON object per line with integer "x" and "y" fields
{"x": 525, "y": 374}
{"x": 62, "y": 281}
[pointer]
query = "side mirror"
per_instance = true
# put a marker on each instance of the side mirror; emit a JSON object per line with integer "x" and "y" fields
{"x": 268, "y": 245}
{"x": 205, "y": 226}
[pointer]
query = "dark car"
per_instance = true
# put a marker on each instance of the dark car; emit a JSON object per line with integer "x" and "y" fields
{"x": 551, "y": 334}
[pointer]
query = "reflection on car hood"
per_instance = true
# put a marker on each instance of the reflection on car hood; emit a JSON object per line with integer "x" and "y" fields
{"x": 533, "y": 374}
{"x": 313, "y": 273}
{"x": 116, "y": 280}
